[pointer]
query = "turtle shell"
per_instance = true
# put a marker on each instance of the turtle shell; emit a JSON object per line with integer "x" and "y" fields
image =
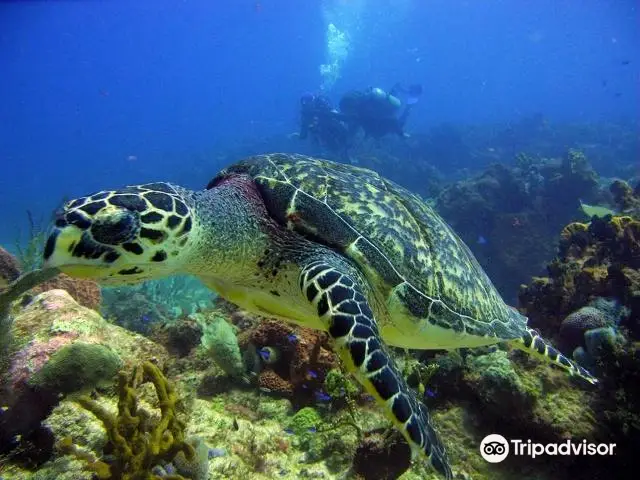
{"x": 399, "y": 242}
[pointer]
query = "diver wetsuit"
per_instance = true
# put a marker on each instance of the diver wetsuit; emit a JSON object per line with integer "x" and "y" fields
{"x": 324, "y": 124}
{"x": 376, "y": 111}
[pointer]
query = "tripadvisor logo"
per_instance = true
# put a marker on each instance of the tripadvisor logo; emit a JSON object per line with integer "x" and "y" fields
{"x": 495, "y": 448}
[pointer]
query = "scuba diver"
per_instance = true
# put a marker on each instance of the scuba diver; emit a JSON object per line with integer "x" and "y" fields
{"x": 378, "y": 112}
{"x": 324, "y": 125}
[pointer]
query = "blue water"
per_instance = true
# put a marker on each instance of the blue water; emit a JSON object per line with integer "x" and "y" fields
{"x": 97, "y": 94}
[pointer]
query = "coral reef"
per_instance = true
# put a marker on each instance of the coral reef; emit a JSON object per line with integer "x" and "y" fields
{"x": 626, "y": 198}
{"x": 13, "y": 292}
{"x": 136, "y": 444}
{"x": 179, "y": 337}
{"x": 599, "y": 259}
{"x": 598, "y": 342}
{"x": 591, "y": 298}
{"x": 85, "y": 292}
{"x": 9, "y": 268}
{"x": 221, "y": 343}
{"x": 132, "y": 310}
{"x": 381, "y": 455}
{"x": 304, "y": 359}
{"x": 138, "y": 307}
{"x": 59, "y": 347}
{"x": 53, "y": 320}
{"x": 509, "y": 216}
{"x": 76, "y": 367}
{"x": 576, "y": 324}
{"x": 305, "y": 419}
{"x": 499, "y": 392}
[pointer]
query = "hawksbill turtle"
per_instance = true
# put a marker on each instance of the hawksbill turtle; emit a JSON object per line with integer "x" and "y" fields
{"x": 322, "y": 244}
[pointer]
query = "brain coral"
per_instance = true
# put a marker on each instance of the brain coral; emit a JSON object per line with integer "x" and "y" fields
{"x": 575, "y": 325}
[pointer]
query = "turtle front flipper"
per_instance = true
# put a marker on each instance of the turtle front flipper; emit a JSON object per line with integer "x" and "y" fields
{"x": 23, "y": 284}
{"x": 532, "y": 343}
{"x": 340, "y": 303}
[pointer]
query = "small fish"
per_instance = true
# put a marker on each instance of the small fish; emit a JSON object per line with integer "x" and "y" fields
{"x": 481, "y": 240}
{"x": 312, "y": 374}
{"x": 217, "y": 452}
{"x": 269, "y": 355}
{"x": 293, "y": 338}
{"x": 288, "y": 431}
{"x": 236, "y": 427}
{"x": 429, "y": 393}
{"x": 312, "y": 430}
{"x": 625, "y": 62}
{"x": 322, "y": 396}
{"x": 595, "y": 210}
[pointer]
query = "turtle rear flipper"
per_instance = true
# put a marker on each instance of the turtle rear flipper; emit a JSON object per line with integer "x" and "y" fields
{"x": 340, "y": 302}
{"x": 532, "y": 343}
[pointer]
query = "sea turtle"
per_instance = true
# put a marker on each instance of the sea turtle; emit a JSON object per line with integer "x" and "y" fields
{"x": 322, "y": 244}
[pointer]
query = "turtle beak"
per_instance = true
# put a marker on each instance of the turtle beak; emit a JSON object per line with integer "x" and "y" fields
{"x": 58, "y": 253}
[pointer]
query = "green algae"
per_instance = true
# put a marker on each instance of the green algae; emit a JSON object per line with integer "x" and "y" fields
{"x": 305, "y": 419}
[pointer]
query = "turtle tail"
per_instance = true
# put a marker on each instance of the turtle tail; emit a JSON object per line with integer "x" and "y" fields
{"x": 532, "y": 343}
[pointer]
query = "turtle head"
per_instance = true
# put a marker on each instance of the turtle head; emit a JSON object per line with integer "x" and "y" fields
{"x": 122, "y": 236}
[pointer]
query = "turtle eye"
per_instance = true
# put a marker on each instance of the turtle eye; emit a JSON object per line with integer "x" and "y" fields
{"x": 115, "y": 227}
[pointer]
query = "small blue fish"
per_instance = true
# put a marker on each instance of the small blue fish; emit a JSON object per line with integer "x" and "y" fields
{"x": 322, "y": 396}
{"x": 312, "y": 374}
{"x": 269, "y": 355}
{"x": 288, "y": 431}
{"x": 292, "y": 337}
{"x": 482, "y": 240}
{"x": 429, "y": 393}
{"x": 312, "y": 430}
{"x": 217, "y": 452}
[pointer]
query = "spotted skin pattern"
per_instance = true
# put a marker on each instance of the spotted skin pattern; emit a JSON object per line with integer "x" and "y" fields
{"x": 403, "y": 245}
{"x": 532, "y": 343}
{"x": 147, "y": 223}
{"x": 340, "y": 302}
{"x": 407, "y": 252}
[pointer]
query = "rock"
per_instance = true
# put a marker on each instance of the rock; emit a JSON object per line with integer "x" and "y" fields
{"x": 381, "y": 457}
{"x": 575, "y": 325}
{"x": 60, "y": 347}
{"x": 86, "y": 292}
{"x": 9, "y": 268}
